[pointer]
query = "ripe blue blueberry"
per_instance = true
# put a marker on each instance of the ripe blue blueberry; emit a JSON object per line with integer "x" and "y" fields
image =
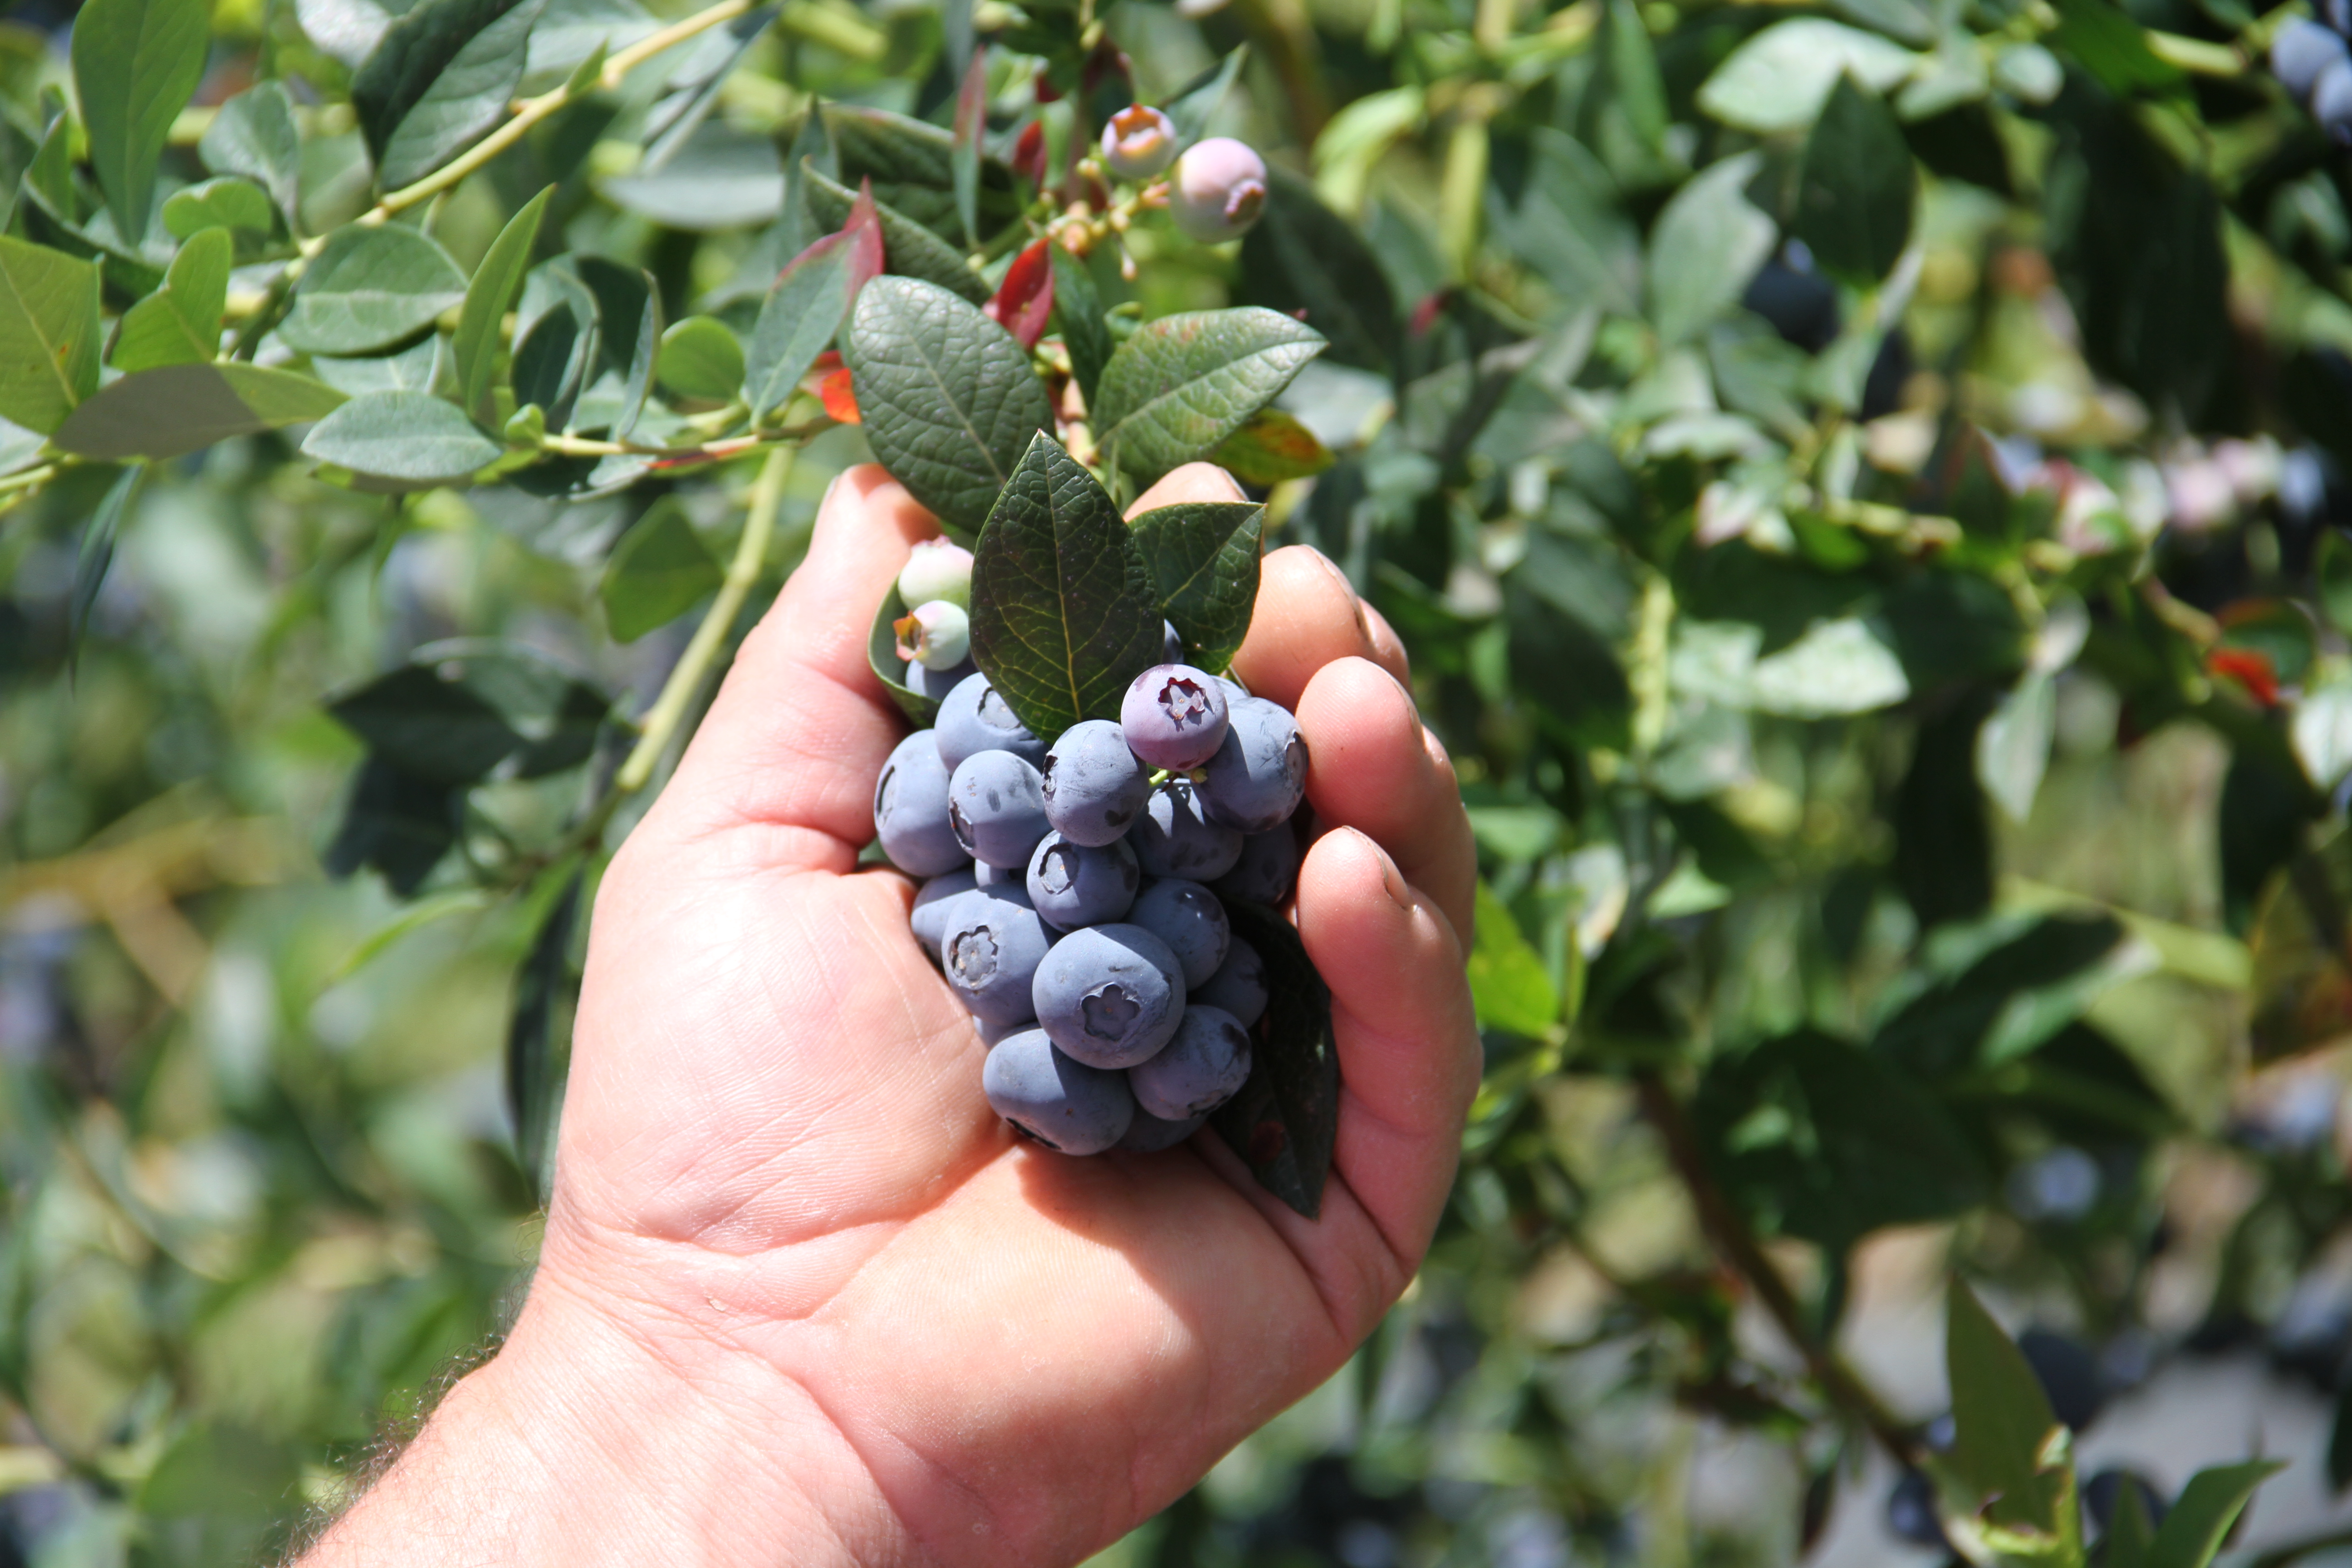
{"x": 929, "y": 919}
{"x": 1071, "y": 885}
{"x": 1109, "y": 995}
{"x": 2331, "y": 100}
{"x": 984, "y": 875}
{"x": 1148, "y": 1134}
{"x": 991, "y": 956}
{"x": 1259, "y": 775}
{"x": 1095, "y": 789}
{"x": 975, "y": 718}
{"x": 1173, "y": 716}
{"x": 1237, "y": 987}
{"x": 1188, "y": 918}
{"x": 992, "y": 1034}
{"x": 997, "y": 808}
{"x": 935, "y": 684}
{"x": 1203, "y": 1065}
{"x": 1063, "y": 1104}
{"x": 2300, "y": 52}
{"x": 910, "y": 810}
{"x": 1267, "y": 871}
{"x": 1175, "y": 838}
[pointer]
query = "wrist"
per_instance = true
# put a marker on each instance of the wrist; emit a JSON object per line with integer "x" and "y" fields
{"x": 588, "y": 1439}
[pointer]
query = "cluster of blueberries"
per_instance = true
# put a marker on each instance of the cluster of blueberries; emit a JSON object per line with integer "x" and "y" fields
{"x": 2312, "y": 62}
{"x": 1073, "y": 895}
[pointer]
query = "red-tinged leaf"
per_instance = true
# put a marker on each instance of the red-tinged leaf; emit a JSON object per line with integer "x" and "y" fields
{"x": 971, "y": 121}
{"x": 1425, "y": 314}
{"x": 839, "y": 397}
{"x": 864, "y": 234}
{"x": 2250, "y": 669}
{"x": 1029, "y": 151}
{"x": 1024, "y": 302}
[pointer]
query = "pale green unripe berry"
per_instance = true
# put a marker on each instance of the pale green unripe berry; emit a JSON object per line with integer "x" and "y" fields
{"x": 1139, "y": 143}
{"x": 1218, "y": 191}
{"x": 937, "y": 569}
{"x": 935, "y": 635}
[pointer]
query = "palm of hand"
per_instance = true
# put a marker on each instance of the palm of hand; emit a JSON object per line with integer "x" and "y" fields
{"x": 775, "y": 1150}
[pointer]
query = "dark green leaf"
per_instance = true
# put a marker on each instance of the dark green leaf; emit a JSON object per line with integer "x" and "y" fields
{"x": 439, "y": 82}
{"x": 949, "y": 400}
{"x": 459, "y": 709}
{"x": 802, "y": 313}
{"x": 488, "y": 297}
{"x": 1192, "y": 106}
{"x": 1184, "y": 382}
{"x": 538, "y": 1041}
{"x": 227, "y": 203}
{"x": 2130, "y": 1534}
{"x": 912, "y": 165}
{"x": 1202, "y": 557}
{"x": 692, "y": 90}
{"x": 1992, "y": 993}
{"x": 2110, "y": 43}
{"x": 552, "y": 361}
{"x": 368, "y": 288}
{"x": 1565, "y": 670}
{"x": 1272, "y": 447}
{"x": 628, "y": 337}
{"x": 1943, "y": 840}
{"x": 2002, "y": 1420}
{"x": 254, "y": 135}
{"x": 395, "y": 823}
{"x": 2266, "y": 805}
{"x": 660, "y": 570}
{"x": 1285, "y": 1119}
{"x": 1302, "y": 256}
{"x": 1078, "y": 317}
{"x": 136, "y": 63}
{"x": 721, "y": 178}
{"x": 96, "y": 554}
{"x": 1063, "y": 617}
{"x": 408, "y": 436}
{"x": 1856, "y": 186}
{"x": 1822, "y": 1140}
{"x": 882, "y": 657}
{"x": 1623, "y": 114}
{"x": 912, "y": 250}
{"x": 2192, "y": 1533}
{"x": 48, "y": 334}
{"x": 700, "y": 358}
{"x": 179, "y": 323}
{"x": 175, "y": 409}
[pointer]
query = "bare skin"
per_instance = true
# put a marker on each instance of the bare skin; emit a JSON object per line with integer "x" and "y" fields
{"x": 803, "y": 1298}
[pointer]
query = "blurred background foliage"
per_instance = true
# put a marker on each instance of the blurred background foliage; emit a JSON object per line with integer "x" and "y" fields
{"x": 1864, "y": 485}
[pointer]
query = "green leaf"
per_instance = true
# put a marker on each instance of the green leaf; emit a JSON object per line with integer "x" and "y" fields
{"x": 438, "y": 82}
{"x": 1707, "y": 244}
{"x": 457, "y": 711}
{"x": 1995, "y": 990}
{"x": 2003, "y": 1425}
{"x": 369, "y": 288}
{"x": 227, "y": 203}
{"x": 551, "y": 361}
{"x": 1509, "y": 985}
{"x": 692, "y": 90}
{"x": 1184, "y": 382}
{"x": 1839, "y": 666}
{"x": 2013, "y": 747}
{"x": 408, "y": 436}
{"x": 1272, "y": 447}
{"x": 539, "y": 1040}
{"x": 95, "y": 556}
{"x": 348, "y": 30}
{"x": 48, "y": 334}
{"x": 572, "y": 32}
{"x": 1202, "y": 557}
{"x": 721, "y": 178}
{"x": 397, "y": 823}
{"x": 1285, "y": 1118}
{"x": 882, "y": 657}
{"x": 970, "y": 126}
{"x": 912, "y": 165}
{"x": 1078, "y": 317}
{"x": 179, "y": 323}
{"x": 700, "y": 358}
{"x": 412, "y": 369}
{"x": 488, "y": 297}
{"x": 175, "y": 409}
{"x": 254, "y": 135}
{"x": 2110, "y": 43}
{"x": 136, "y": 63}
{"x": 1568, "y": 228}
{"x": 949, "y": 399}
{"x": 802, "y": 313}
{"x": 2129, "y": 1534}
{"x": 1856, "y": 189}
{"x": 1192, "y": 106}
{"x": 627, "y": 309}
{"x": 1063, "y": 617}
{"x": 660, "y": 570}
{"x": 1302, "y": 256}
{"x": 1778, "y": 80}
{"x": 912, "y": 250}
{"x": 2192, "y": 1533}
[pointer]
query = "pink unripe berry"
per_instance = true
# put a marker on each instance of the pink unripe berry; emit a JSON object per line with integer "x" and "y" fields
{"x": 1219, "y": 189}
{"x": 1139, "y": 143}
{"x": 937, "y": 634}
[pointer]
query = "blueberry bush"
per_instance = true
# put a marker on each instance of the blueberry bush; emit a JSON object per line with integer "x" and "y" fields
{"x": 1864, "y": 485}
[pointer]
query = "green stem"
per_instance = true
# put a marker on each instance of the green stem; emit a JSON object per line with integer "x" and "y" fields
{"x": 662, "y": 719}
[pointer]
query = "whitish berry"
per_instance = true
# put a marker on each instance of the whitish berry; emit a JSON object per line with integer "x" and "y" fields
{"x": 1219, "y": 189}
{"x": 1139, "y": 143}
{"x": 937, "y": 569}
{"x": 936, "y": 635}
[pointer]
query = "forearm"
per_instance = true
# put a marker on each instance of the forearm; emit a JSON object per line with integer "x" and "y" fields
{"x": 579, "y": 1444}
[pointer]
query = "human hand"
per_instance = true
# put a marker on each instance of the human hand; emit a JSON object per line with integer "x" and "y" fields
{"x": 802, "y": 1287}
